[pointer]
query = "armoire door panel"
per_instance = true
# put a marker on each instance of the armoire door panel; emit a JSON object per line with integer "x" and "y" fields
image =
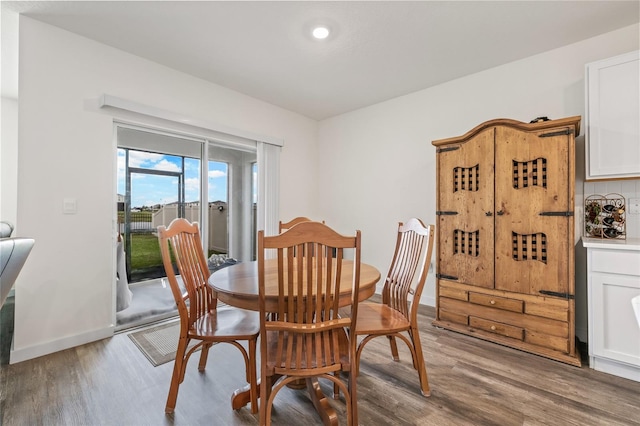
{"x": 528, "y": 261}
{"x": 465, "y": 237}
{"x": 466, "y": 251}
{"x": 465, "y": 175}
{"x": 532, "y": 173}
{"x": 533, "y": 200}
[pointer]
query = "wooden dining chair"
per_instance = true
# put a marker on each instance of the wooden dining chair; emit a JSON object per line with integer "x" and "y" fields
{"x": 398, "y": 312}
{"x": 305, "y": 337}
{"x": 283, "y": 226}
{"x": 197, "y": 305}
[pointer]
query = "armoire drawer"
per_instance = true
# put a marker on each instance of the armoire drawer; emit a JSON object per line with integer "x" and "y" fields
{"x": 503, "y": 303}
{"x": 497, "y": 328}
{"x": 556, "y": 343}
{"x": 454, "y": 293}
{"x": 453, "y": 317}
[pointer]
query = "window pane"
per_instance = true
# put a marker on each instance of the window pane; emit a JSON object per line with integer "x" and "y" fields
{"x": 218, "y": 181}
{"x": 230, "y": 201}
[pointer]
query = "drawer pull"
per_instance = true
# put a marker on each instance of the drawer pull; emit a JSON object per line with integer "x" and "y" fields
{"x": 493, "y": 302}
{"x": 493, "y": 327}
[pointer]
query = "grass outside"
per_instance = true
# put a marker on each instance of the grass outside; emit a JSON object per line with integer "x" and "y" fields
{"x": 145, "y": 251}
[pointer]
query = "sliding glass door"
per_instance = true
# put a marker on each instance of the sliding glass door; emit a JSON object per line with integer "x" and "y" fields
{"x": 160, "y": 178}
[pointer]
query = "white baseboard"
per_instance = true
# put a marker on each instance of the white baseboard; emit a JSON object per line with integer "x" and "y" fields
{"x": 427, "y": 300}
{"x": 424, "y": 300}
{"x": 620, "y": 369}
{"x": 23, "y": 354}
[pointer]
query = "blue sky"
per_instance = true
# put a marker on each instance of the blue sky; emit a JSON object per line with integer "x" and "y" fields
{"x": 148, "y": 190}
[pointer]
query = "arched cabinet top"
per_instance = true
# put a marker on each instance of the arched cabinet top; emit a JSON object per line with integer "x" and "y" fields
{"x": 527, "y": 127}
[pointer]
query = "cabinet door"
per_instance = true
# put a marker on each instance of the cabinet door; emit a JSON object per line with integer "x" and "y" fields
{"x": 614, "y": 331}
{"x": 613, "y": 117}
{"x": 534, "y": 193}
{"x": 465, "y": 210}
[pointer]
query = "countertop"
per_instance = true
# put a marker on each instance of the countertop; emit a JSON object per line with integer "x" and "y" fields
{"x": 609, "y": 243}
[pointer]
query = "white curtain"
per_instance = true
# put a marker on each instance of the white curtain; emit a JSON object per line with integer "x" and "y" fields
{"x": 268, "y": 187}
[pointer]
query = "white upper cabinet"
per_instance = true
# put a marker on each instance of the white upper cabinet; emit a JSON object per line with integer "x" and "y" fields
{"x": 613, "y": 117}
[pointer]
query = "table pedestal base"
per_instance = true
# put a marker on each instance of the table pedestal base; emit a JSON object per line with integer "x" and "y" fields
{"x": 241, "y": 398}
{"x": 320, "y": 401}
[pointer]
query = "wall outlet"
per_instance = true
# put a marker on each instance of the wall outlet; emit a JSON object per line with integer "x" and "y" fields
{"x": 69, "y": 206}
{"x": 634, "y": 206}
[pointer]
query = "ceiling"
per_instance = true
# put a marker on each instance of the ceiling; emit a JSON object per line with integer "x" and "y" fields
{"x": 377, "y": 50}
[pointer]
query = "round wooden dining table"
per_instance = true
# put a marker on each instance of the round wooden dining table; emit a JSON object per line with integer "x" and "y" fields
{"x": 237, "y": 285}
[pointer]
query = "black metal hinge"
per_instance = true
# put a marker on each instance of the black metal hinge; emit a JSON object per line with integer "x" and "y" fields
{"x": 446, "y": 277}
{"x": 557, "y": 294}
{"x": 558, "y": 133}
{"x": 445, "y": 213}
{"x": 451, "y": 148}
{"x": 556, "y": 214}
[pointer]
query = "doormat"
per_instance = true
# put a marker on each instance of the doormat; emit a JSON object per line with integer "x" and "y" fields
{"x": 159, "y": 343}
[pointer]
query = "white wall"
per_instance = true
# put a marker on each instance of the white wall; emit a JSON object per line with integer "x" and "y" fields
{"x": 9, "y": 117}
{"x": 64, "y": 295}
{"x": 9, "y": 161}
{"x": 378, "y": 164}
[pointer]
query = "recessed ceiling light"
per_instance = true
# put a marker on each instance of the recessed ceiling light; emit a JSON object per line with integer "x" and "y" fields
{"x": 320, "y": 32}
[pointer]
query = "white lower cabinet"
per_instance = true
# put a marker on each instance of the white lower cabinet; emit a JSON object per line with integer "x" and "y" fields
{"x": 614, "y": 333}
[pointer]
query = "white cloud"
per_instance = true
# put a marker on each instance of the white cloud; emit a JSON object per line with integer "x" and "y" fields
{"x": 213, "y": 174}
{"x": 144, "y": 159}
{"x": 192, "y": 185}
{"x": 167, "y": 166}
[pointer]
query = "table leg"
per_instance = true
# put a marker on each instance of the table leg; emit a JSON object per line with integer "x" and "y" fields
{"x": 320, "y": 401}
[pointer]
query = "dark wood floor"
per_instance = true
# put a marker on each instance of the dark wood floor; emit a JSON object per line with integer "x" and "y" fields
{"x": 473, "y": 382}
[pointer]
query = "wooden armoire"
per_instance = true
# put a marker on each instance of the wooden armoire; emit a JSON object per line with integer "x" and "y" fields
{"x": 505, "y": 235}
